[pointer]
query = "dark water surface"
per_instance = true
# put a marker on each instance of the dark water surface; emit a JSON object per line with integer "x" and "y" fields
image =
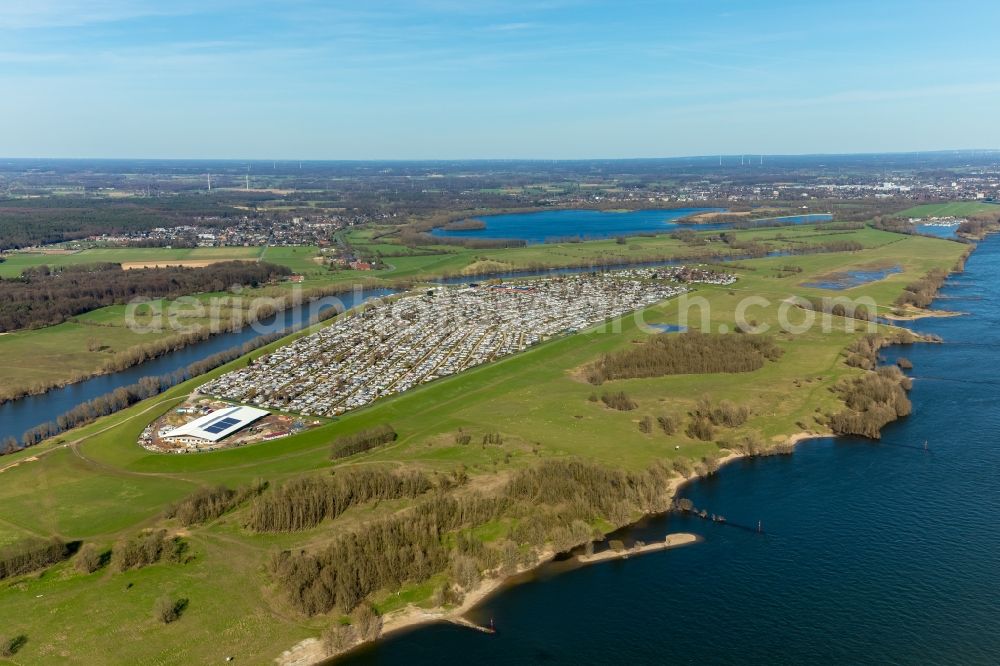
{"x": 17, "y": 416}
{"x": 549, "y": 225}
{"x": 873, "y": 552}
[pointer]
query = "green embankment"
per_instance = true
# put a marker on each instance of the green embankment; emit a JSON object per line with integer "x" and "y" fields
{"x": 96, "y": 484}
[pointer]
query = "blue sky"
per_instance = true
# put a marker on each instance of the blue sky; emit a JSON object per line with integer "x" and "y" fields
{"x": 306, "y": 79}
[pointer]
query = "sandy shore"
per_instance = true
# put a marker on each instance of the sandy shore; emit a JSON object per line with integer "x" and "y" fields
{"x": 311, "y": 650}
{"x": 922, "y": 314}
{"x": 671, "y": 541}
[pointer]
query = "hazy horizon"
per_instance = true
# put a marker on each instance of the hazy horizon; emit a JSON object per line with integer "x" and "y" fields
{"x": 751, "y": 158}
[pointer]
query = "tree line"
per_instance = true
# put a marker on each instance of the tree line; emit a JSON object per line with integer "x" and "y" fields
{"x": 33, "y": 555}
{"x": 27, "y": 222}
{"x": 554, "y": 503}
{"x": 363, "y": 440}
{"x": 415, "y": 239}
{"x": 922, "y": 292}
{"x": 685, "y": 353}
{"x": 126, "y": 396}
{"x": 830, "y": 306}
{"x": 44, "y": 296}
{"x": 304, "y": 502}
{"x": 207, "y": 504}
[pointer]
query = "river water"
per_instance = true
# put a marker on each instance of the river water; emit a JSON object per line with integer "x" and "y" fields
{"x": 17, "y": 416}
{"x": 20, "y": 415}
{"x": 872, "y": 552}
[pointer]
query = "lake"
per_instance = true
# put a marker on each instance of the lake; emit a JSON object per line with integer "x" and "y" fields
{"x": 872, "y": 552}
{"x": 539, "y": 227}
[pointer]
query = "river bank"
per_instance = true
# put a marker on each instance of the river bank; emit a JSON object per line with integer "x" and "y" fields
{"x": 876, "y": 552}
{"x": 412, "y": 616}
{"x": 307, "y": 307}
{"x": 312, "y": 651}
{"x": 922, "y": 314}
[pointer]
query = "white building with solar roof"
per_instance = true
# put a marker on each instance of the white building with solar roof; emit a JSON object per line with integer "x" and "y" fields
{"x": 214, "y": 426}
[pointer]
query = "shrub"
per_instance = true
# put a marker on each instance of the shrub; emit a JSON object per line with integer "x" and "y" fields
{"x": 90, "y": 559}
{"x": 9, "y": 647}
{"x": 147, "y": 548}
{"x": 619, "y": 401}
{"x": 348, "y": 445}
{"x": 32, "y": 555}
{"x": 667, "y": 423}
{"x": 167, "y": 609}
{"x": 700, "y": 427}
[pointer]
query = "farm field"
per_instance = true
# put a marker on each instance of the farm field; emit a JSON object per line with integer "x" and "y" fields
{"x": 16, "y": 262}
{"x": 97, "y": 485}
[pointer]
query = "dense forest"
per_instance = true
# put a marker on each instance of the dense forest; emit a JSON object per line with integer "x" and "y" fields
{"x": 28, "y": 222}
{"x": 554, "y": 504}
{"x": 686, "y": 353}
{"x": 43, "y": 296}
{"x": 306, "y": 501}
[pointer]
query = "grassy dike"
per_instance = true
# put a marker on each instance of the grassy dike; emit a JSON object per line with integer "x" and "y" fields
{"x": 96, "y": 484}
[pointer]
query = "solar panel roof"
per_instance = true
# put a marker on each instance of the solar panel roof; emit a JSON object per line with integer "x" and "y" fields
{"x": 219, "y": 424}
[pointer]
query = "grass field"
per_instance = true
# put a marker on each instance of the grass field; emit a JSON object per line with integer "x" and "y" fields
{"x": 950, "y": 209}
{"x": 62, "y": 353}
{"x": 97, "y": 484}
{"x": 16, "y": 262}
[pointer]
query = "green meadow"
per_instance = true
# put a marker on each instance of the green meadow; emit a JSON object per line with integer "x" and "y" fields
{"x": 98, "y": 485}
{"x": 82, "y": 346}
{"x": 950, "y": 209}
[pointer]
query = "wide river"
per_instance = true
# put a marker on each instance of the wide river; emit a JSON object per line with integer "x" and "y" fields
{"x": 872, "y": 552}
